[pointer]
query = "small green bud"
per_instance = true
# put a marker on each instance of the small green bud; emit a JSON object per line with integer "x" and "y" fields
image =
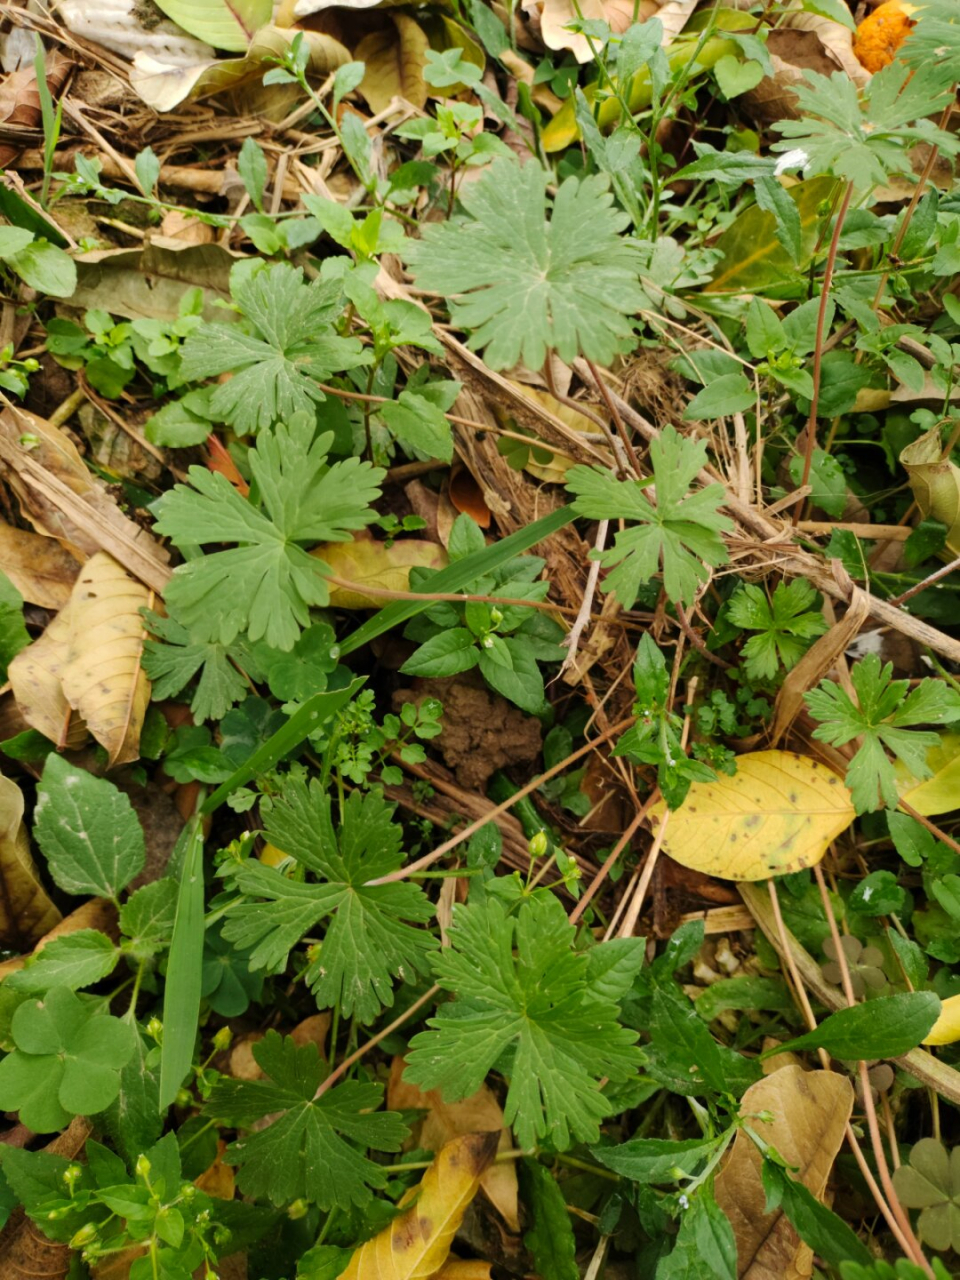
{"x": 70, "y": 1176}
{"x": 297, "y": 1209}
{"x": 154, "y": 1029}
{"x": 538, "y": 845}
{"x": 496, "y": 616}
{"x": 86, "y": 1235}
{"x": 223, "y": 1039}
{"x": 143, "y": 1167}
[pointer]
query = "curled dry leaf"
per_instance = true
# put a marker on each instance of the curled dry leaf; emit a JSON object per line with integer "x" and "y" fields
{"x": 373, "y": 564}
{"x": 26, "y": 913}
{"x": 103, "y": 678}
{"x": 935, "y": 482}
{"x": 35, "y": 676}
{"x": 810, "y": 1110}
{"x": 88, "y": 661}
{"x": 416, "y": 1244}
{"x": 394, "y": 56}
{"x": 163, "y": 85}
{"x": 777, "y": 814}
{"x": 41, "y": 570}
{"x": 445, "y": 1120}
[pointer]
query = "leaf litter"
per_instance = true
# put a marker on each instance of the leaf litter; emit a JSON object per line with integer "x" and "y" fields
{"x": 486, "y": 480}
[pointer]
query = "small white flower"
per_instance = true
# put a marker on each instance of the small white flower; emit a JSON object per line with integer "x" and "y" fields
{"x": 684, "y": 1202}
{"x": 795, "y": 159}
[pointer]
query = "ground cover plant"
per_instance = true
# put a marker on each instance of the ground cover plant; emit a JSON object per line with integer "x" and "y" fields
{"x": 479, "y": 571}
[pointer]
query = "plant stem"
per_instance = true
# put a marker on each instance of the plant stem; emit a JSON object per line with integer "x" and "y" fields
{"x": 818, "y": 349}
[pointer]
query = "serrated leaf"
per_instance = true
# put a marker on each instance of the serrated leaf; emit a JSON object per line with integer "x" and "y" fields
{"x": 267, "y": 584}
{"x": 521, "y": 284}
{"x": 681, "y": 532}
{"x": 371, "y": 934}
{"x": 88, "y": 831}
{"x": 276, "y": 367}
{"x": 776, "y": 815}
{"x": 174, "y": 659}
{"x": 311, "y": 1148}
{"x": 534, "y": 1014}
{"x": 73, "y": 961}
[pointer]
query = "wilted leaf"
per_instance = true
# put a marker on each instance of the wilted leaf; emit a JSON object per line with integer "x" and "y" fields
{"x": 394, "y": 58}
{"x": 416, "y": 1244}
{"x": 777, "y": 814}
{"x": 940, "y": 793}
{"x": 374, "y": 564}
{"x": 226, "y": 24}
{"x": 809, "y": 1111}
{"x": 102, "y": 677}
{"x": 753, "y": 255}
{"x": 41, "y": 570}
{"x": 935, "y": 482}
{"x": 480, "y": 1113}
{"x": 26, "y": 913}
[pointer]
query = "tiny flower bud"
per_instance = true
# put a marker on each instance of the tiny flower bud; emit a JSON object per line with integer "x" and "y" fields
{"x": 154, "y": 1029}
{"x": 297, "y": 1210}
{"x": 538, "y": 845}
{"x": 143, "y": 1167}
{"x": 222, "y": 1039}
{"x": 86, "y": 1235}
{"x": 496, "y": 616}
{"x": 70, "y": 1176}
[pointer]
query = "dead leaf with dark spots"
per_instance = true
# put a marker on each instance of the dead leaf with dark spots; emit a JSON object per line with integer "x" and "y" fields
{"x": 446, "y": 1120}
{"x": 416, "y": 1244}
{"x": 809, "y": 1110}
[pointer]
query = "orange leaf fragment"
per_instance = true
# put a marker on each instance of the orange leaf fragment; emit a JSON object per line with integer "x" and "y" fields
{"x": 881, "y": 34}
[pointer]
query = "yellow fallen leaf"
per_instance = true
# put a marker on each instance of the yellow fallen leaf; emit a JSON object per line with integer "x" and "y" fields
{"x": 481, "y": 1112}
{"x": 416, "y": 1244}
{"x": 777, "y": 814}
{"x": 102, "y": 677}
{"x": 809, "y": 1111}
{"x": 41, "y": 570}
{"x": 946, "y": 1029}
{"x": 940, "y": 793}
{"x": 464, "y": 1269}
{"x": 26, "y": 913}
{"x": 374, "y": 564}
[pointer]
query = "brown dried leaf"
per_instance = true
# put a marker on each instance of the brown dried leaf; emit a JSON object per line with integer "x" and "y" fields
{"x": 26, "y": 913}
{"x": 394, "y": 57}
{"x": 416, "y": 1244}
{"x": 445, "y": 1120}
{"x": 35, "y": 676}
{"x": 810, "y": 1111}
{"x": 103, "y": 678}
{"x": 41, "y": 570}
{"x": 556, "y": 15}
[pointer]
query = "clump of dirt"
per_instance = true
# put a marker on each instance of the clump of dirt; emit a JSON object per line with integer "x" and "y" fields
{"x": 482, "y": 732}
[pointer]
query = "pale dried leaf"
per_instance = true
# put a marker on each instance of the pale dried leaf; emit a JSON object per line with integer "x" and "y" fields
{"x": 116, "y": 25}
{"x": 810, "y": 1110}
{"x": 935, "y": 482}
{"x": 103, "y": 678}
{"x": 556, "y": 15}
{"x": 35, "y": 676}
{"x": 373, "y": 564}
{"x": 26, "y": 913}
{"x": 41, "y": 570}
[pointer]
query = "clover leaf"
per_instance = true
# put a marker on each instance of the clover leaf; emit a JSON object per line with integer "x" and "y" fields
{"x": 67, "y": 1060}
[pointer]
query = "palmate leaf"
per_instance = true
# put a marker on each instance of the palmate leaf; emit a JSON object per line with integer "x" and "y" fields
{"x": 521, "y": 284}
{"x": 277, "y": 366}
{"x": 885, "y": 718}
{"x": 371, "y": 934}
{"x": 311, "y": 1148}
{"x": 172, "y": 661}
{"x": 529, "y": 1005}
{"x": 681, "y": 532}
{"x": 267, "y": 584}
